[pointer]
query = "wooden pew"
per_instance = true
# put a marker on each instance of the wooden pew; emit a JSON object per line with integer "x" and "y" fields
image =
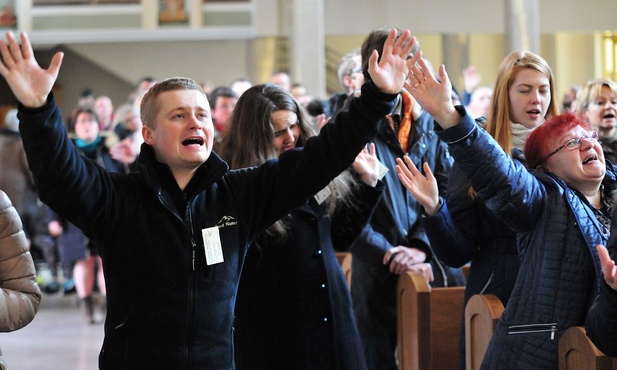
{"x": 344, "y": 259}
{"x": 481, "y": 315}
{"x": 576, "y": 351}
{"x": 429, "y": 323}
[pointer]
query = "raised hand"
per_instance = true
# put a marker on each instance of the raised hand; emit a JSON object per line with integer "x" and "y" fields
{"x": 390, "y": 72}
{"x": 29, "y": 82}
{"x": 366, "y": 165}
{"x": 424, "y": 189}
{"x": 434, "y": 95}
{"x": 471, "y": 78}
{"x": 609, "y": 269}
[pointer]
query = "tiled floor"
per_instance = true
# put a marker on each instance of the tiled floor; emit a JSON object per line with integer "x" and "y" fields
{"x": 57, "y": 339}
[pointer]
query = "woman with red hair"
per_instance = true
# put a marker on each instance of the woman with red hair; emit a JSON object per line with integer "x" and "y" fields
{"x": 560, "y": 210}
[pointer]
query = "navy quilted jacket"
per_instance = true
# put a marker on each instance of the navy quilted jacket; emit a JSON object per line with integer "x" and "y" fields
{"x": 557, "y": 232}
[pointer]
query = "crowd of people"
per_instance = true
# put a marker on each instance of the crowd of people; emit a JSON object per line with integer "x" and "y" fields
{"x": 210, "y": 217}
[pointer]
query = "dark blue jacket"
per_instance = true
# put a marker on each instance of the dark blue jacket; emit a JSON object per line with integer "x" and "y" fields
{"x": 396, "y": 221}
{"x": 464, "y": 230}
{"x": 167, "y": 308}
{"x": 557, "y": 232}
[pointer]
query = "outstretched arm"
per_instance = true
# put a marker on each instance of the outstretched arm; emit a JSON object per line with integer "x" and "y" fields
{"x": 29, "y": 82}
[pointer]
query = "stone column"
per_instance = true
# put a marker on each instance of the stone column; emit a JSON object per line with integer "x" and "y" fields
{"x": 522, "y": 26}
{"x": 307, "y": 60}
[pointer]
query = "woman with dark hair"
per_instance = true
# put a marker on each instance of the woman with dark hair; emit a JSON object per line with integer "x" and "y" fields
{"x": 293, "y": 309}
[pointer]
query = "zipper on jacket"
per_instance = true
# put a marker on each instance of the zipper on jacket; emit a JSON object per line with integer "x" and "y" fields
{"x": 534, "y": 328}
{"x": 488, "y": 282}
{"x": 191, "y": 230}
{"x": 191, "y": 298}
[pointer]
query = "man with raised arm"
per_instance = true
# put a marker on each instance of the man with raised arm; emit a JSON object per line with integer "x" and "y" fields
{"x": 173, "y": 234}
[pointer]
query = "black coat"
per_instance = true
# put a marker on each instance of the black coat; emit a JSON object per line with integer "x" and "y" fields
{"x": 294, "y": 306}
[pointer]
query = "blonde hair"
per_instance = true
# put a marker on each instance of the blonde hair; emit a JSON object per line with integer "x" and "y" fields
{"x": 591, "y": 91}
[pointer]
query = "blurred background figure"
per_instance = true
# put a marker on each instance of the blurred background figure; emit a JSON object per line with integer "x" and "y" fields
{"x": 222, "y": 103}
{"x": 105, "y": 110}
{"x": 15, "y": 177}
{"x": 569, "y": 101}
{"x": 350, "y": 75}
{"x": 281, "y": 78}
{"x": 86, "y": 97}
{"x": 207, "y": 86}
{"x": 298, "y": 90}
{"x": 480, "y": 102}
{"x": 597, "y": 104}
{"x": 240, "y": 85}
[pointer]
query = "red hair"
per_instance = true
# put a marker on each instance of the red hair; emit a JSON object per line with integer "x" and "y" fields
{"x": 537, "y": 144}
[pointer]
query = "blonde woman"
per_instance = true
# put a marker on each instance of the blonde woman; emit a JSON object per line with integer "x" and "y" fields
{"x": 597, "y": 104}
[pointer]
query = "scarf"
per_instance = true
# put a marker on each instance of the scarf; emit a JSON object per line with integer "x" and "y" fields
{"x": 88, "y": 149}
{"x": 404, "y": 126}
{"x": 519, "y": 135}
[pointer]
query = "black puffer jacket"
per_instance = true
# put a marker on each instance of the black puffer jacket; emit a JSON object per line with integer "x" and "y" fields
{"x": 557, "y": 234}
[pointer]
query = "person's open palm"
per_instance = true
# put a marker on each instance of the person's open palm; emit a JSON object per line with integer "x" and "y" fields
{"x": 390, "y": 72}
{"x": 29, "y": 82}
{"x": 367, "y": 166}
{"x": 423, "y": 188}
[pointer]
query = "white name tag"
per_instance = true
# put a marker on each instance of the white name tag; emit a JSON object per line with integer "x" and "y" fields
{"x": 322, "y": 195}
{"x": 383, "y": 170}
{"x": 212, "y": 245}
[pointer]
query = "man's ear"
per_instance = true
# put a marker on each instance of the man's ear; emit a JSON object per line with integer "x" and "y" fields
{"x": 146, "y": 132}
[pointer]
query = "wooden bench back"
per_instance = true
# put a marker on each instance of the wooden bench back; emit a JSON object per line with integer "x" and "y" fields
{"x": 576, "y": 351}
{"x": 481, "y": 315}
{"x": 429, "y": 323}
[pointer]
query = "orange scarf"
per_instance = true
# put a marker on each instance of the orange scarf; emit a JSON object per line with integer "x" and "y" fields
{"x": 406, "y": 119}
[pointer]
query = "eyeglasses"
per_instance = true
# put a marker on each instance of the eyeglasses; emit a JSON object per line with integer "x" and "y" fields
{"x": 575, "y": 143}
